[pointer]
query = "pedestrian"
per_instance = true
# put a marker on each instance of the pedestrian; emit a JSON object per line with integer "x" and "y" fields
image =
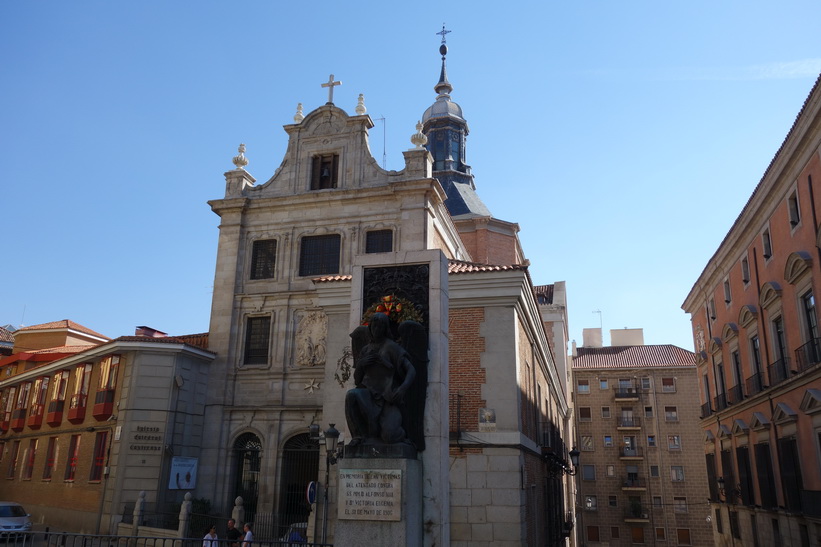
{"x": 233, "y": 534}
{"x": 210, "y": 539}
{"x": 249, "y": 536}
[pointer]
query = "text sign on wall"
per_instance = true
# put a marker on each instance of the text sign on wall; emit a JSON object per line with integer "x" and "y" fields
{"x": 370, "y": 495}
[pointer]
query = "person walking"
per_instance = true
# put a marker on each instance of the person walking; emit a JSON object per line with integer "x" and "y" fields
{"x": 210, "y": 539}
{"x": 249, "y": 535}
{"x": 233, "y": 534}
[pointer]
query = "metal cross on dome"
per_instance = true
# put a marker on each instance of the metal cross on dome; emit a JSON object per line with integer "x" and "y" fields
{"x": 330, "y": 84}
{"x": 443, "y": 32}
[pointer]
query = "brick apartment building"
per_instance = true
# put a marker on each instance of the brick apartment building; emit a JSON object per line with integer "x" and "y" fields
{"x": 755, "y": 326}
{"x": 641, "y": 477}
{"x": 86, "y": 422}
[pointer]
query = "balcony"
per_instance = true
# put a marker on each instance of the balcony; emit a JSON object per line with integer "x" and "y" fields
{"x": 720, "y": 402}
{"x": 18, "y": 419}
{"x": 736, "y": 394}
{"x": 626, "y": 423}
{"x": 808, "y": 355}
{"x": 706, "y": 409}
{"x": 634, "y": 484}
{"x": 54, "y": 413}
{"x": 637, "y": 513}
{"x": 756, "y": 384}
{"x": 626, "y": 393}
{"x": 631, "y": 453}
{"x": 77, "y": 408}
{"x": 36, "y": 416}
{"x": 778, "y": 371}
{"x": 103, "y": 404}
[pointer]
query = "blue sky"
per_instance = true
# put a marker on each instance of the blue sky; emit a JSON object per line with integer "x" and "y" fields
{"x": 623, "y": 137}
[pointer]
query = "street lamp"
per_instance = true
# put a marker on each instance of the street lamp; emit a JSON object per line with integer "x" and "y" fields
{"x": 557, "y": 466}
{"x": 729, "y": 494}
{"x": 332, "y": 455}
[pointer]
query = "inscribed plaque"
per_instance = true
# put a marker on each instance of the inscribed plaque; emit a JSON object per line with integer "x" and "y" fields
{"x": 370, "y": 495}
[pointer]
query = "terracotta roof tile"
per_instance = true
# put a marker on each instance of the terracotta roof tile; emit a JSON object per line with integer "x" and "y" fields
{"x": 663, "y": 355}
{"x": 186, "y": 339}
{"x": 454, "y": 267}
{"x": 331, "y": 278}
{"x": 63, "y": 324}
{"x": 6, "y": 335}
{"x": 459, "y": 267}
{"x": 544, "y": 294}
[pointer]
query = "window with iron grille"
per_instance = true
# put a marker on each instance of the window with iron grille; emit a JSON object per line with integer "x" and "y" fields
{"x": 319, "y": 255}
{"x": 32, "y": 454}
{"x": 263, "y": 258}
{"x": 51, "y": 452}
{"x": 15, "y": 452}
{"x": 257, "y": 336}
{"x": 379, "y": 241}
{"x": 98, "y": 463}
{"x": 73, "y": 454}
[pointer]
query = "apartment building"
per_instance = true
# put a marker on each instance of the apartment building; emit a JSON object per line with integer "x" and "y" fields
{"x": 641, "y": 473}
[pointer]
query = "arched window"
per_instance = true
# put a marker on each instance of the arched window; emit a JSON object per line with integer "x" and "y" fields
{"x": 247, "y": 459}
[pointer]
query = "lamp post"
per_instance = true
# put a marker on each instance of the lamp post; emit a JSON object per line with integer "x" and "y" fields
{"x": 331, "y": 439}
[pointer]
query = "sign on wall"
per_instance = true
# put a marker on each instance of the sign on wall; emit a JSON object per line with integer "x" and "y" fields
{"x": 183, "y": 473}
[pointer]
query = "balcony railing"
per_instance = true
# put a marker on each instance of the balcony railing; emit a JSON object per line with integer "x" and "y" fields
{"x": 808, "y": 355}
{"x": 736, "y": 394}
{"x": 778, "y": 371}
{"x": 625, "y": 392}
{"x": 54, "y": 412}
{"x": 756, "y": 384}
{"x": 720, "y": 402}
{"x": 706, "y": 409}
{"x": 634, "y": 482}
{"x": 637, "y": 512}
{"x": 628, "y": 422}
{"x": 631, "y": 452}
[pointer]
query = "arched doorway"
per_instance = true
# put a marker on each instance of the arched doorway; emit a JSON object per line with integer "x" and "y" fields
{"x": 300, "y": 466}
{"x": 247, "y": 459}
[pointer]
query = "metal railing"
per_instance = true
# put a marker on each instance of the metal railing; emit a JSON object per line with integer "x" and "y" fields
{"x": 706, "y": 409}
{"x": 634, "y": 482}
{"x": 631, "y": 452}
{"x": 756, "y": 384}
{"x": 720, "y": 402}
{"x": 625, "y": 421}
{"x": 31, "y": 539}
{"x": 736, "y": 394}
{"x": 778, "y": 371}
{"x": 808, "y": 355}
{"x": 622, "y": 392}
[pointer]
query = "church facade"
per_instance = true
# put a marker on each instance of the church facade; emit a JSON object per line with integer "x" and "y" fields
{"x": 304, "y": 255}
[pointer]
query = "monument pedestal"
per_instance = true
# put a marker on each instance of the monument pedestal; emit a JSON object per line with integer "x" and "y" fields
{"x": 379, "y": 502}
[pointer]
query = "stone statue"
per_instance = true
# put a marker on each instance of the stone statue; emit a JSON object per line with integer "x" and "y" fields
{"x": 385, "y": 380}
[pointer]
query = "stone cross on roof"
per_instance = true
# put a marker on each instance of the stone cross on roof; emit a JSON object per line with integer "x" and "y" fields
{"x": 330, "y": 85}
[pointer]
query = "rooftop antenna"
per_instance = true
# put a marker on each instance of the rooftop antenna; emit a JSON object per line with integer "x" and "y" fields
{"x": 23, "y": 318}
{"x": 599, "y": 312}
{"x": 384, "y": 131}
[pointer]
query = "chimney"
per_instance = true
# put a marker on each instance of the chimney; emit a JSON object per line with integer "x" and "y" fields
{"x": 591, "y": 338}
{"x": 149, "y": 332}
{"x": 626, "y": 337}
